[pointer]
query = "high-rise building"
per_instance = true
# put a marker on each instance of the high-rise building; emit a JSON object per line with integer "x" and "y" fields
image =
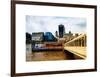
{"x": 61, "y": 30}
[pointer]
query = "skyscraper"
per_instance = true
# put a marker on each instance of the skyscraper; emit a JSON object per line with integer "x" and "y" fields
{"x": 61, "y": 30}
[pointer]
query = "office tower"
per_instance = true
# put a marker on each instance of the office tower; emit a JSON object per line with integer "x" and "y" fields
{"x": 61, "y": 30}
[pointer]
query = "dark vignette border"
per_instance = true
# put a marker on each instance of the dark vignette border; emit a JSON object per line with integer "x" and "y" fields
{"x": 13, "y": 37}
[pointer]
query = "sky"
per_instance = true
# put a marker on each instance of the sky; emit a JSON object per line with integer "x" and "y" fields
{"x": 50, "y": 24}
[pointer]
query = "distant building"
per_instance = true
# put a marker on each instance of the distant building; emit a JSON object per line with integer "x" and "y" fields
{"x": 28, "y": 38}
{"x": 37, "y": 39}
{"x": 48, "y": 37}
{"x": 76, "y": 34}
{"x": 68, "y": 36}
{"x": 61, "y": 40}
{"x": 38, "y": 36}
{"x": 61, "y": 31}
{"x": 56, "y": 33}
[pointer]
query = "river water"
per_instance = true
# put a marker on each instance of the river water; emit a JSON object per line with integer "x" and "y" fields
{"x": 46, "y": 55}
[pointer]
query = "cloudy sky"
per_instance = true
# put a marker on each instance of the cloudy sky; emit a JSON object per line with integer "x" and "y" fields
{"x": 50, "y": 24}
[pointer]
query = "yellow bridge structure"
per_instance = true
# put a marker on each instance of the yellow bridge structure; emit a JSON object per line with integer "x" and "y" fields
{"x": 77, "y": 46}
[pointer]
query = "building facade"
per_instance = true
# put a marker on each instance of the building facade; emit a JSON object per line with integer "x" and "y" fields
{"x": 68, "y": 36}
{"x": 38, "y": 36}
{"x": 49, "y": 37}
{"x": 28, "y": 38}
{"x": 61, "y": 30}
